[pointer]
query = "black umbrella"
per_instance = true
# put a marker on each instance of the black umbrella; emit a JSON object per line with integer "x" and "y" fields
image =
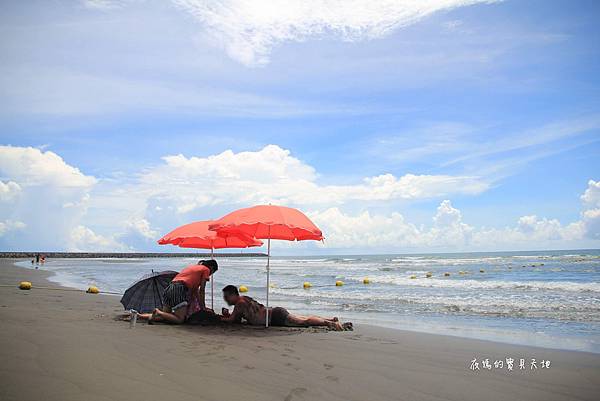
{"x": 147, "y": 293}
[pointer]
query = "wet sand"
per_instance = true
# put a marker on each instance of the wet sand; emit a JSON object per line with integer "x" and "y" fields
{"x": 66, "y": 345}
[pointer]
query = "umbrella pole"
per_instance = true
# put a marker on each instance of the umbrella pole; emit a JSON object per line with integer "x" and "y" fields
{"x": 212, "y": 283}
{"x": 268, "y": 279}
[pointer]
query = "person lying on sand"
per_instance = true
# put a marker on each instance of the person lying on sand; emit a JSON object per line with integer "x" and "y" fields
{"x": 254, "y": 313}
{"x": 187, "y": 288}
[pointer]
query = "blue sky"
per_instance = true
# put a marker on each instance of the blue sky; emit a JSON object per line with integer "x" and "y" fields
{"x": 492, "y": 106}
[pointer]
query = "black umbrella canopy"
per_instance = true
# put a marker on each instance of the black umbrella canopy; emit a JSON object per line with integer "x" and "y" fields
{"x": 146, "y": 294}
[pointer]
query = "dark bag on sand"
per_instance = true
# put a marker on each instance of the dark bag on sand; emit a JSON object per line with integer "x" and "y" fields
{"x": 203, "y": 317}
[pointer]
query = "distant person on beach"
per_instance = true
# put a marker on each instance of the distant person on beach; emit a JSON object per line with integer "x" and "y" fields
{"x": 186, "y": 288}
{"x": 255, "y": 313}
{"x": 37, "y": 258}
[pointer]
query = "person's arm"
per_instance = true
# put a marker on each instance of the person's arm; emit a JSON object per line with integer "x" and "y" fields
{"x": 234, "y": 317}
{"x": 202, "y": 294}
{"x": 193, "y": 298}
{"x": 194, "y": 303}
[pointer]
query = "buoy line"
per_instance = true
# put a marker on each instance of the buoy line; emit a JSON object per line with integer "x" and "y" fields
{"x": 25, "y": 285}
{"x": 60, "y": 289}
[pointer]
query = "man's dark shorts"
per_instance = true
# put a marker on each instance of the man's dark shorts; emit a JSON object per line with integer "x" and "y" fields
{"x": 176, "y": 295}
{"x": 279, "y": 316}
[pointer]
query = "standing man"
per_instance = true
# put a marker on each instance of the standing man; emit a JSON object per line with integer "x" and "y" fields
{"x": 185, "y": 288}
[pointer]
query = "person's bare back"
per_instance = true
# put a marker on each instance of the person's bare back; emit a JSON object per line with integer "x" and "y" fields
{"x": 250, "y": 310}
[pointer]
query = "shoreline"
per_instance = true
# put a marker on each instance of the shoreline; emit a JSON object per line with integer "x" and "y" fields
{"x": 525, "y": 339}
{"x": 65, "y": 345}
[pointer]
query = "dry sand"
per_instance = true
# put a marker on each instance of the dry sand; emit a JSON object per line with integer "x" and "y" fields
{"x": 65, "y": 345}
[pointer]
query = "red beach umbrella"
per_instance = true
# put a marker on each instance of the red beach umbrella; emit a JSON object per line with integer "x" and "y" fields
{"x": 197, "y": 235}
{"x": 268, "y": 222}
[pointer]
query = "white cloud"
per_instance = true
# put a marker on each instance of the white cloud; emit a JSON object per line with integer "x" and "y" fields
{"x": 138, "y": 234}
{"x": 410, "y": 186}
{"x": 591, "y": 215}
{"x": 9, "y": 190}
{"x": 447, "y": 233}
{"x": 591, "y": 223}
{"x": 591, "y": 196}
{"x": 30, "y": 166}
{"x": 530, "y": 232}
{"x": 184, "y": 188}
{"x": 83, "y": 239}
{"x": 52, "y": 197}
{"x": 545, "y": 228}
{"x": 248, "y": 30}
{"x": 9, "y": 225}
{"x": 273, "y": 175}
{"x": 366, "y": 230}
{"x": 49, "y": 205}
{"x": 50, "y": 202}
{"x": 447, "y": 216}
{"x": 448, "y": 228}
{"x": 141, "y": 227}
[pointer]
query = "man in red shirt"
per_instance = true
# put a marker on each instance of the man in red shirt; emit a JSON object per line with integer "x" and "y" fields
{"x": 185, "y": 288}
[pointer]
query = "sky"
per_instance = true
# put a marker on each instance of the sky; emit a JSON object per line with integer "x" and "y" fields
{"x": 396, "y": 126}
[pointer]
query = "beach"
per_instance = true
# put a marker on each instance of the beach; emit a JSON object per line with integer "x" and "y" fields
{"x": 543, "y": 299}
{"x": 66, "y": 345}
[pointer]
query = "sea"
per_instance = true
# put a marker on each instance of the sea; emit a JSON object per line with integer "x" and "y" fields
{"x": 546, "y": 298}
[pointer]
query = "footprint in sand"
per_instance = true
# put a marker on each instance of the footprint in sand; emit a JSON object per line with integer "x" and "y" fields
{"x": 333, "y": 379}
{"x": 328, "y": 366}
{"x": 298, "y": 391}
{"x": 291, "y": 365}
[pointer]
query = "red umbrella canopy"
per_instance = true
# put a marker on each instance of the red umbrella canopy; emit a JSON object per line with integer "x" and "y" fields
{"x": 268, "y": 222}
{"x": 197, "y": 235}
